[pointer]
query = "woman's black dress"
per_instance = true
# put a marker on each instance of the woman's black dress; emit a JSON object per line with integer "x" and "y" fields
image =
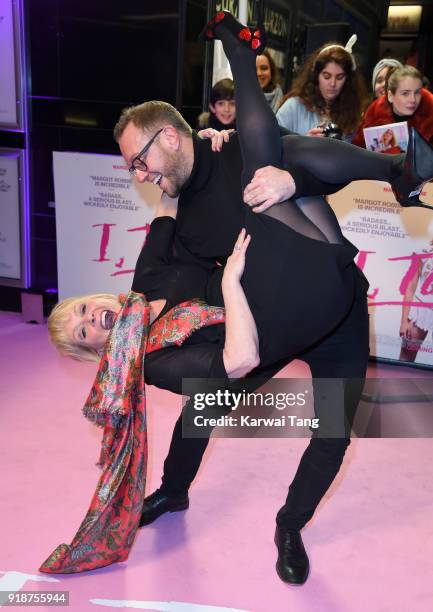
{"x": 298, "y": 288}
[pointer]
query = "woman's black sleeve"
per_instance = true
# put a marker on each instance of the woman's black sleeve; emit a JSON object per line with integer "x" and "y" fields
{"x": 167, "y": 367}
{"x": 155, "y": 257}
{"x": 158, "y": 248}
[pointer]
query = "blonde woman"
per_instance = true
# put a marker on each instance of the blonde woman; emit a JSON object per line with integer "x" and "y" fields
{"x": 405, "y": 99}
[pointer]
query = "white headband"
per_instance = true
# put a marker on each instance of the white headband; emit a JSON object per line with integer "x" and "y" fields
{"x": 348, "y": 47}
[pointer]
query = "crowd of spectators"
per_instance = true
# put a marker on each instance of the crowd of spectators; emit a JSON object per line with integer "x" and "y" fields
{"x": 329, "y": 97}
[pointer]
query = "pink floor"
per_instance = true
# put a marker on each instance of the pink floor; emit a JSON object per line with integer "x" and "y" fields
{"x": 370, "y": 544}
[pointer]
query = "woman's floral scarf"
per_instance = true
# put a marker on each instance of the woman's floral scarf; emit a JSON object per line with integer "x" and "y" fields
{"x": 117, "y": 403}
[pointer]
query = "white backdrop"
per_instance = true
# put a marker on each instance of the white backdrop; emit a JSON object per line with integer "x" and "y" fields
{"x": 387, "y": 236}
{"x": 102, "y": 219}
{"x": 10, "y": 234}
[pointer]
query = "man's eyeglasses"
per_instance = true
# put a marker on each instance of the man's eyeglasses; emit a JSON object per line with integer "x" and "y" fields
{"x": 137, "y": 162}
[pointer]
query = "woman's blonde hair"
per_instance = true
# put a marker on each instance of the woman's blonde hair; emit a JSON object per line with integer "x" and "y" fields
{"x": 395, "y": 75}
{"x": 393, "y": 141}
{"x": 60, "y": 316}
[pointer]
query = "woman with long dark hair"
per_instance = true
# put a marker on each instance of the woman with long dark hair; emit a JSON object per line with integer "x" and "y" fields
{"x": 329, "y": 89}
{"x": 268, "y": 75}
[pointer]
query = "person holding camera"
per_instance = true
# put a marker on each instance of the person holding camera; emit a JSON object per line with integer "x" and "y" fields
{"x": 328, "y": 96}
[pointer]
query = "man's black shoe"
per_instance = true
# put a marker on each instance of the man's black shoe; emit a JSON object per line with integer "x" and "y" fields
{"x": 292, "y": 565}
{"x": 158, "y": 503}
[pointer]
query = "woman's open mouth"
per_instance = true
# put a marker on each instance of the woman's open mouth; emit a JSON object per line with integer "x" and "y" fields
{"x": 108, "y": 318}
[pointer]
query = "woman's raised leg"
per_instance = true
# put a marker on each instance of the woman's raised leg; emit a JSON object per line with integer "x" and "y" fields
{"x": 259, "y": 133}
{"x": 320, "y": 166}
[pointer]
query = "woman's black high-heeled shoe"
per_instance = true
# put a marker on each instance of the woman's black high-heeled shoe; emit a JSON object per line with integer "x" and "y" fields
{"x": 417, "y": 170}
{"x": 253, "y": 38}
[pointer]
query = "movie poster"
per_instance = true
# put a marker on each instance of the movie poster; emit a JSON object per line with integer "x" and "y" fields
{"x": 102, "y": 220}
{"x": 8, "y": 71}
{"x": 10, "y": 216}
{"x": 396, "y": 255}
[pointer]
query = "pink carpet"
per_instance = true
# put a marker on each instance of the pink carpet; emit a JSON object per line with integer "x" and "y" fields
{"x": 370, "y": 543}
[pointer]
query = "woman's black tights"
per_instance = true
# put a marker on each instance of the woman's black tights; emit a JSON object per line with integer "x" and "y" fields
{"x": 319, "y": 166}
{"x": 259, "y": 134}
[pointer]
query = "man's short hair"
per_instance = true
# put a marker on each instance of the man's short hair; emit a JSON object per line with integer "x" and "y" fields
{"x": 151, "y": 116}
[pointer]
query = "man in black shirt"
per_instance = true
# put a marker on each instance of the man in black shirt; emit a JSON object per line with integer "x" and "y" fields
{"x": 159, "y": 147}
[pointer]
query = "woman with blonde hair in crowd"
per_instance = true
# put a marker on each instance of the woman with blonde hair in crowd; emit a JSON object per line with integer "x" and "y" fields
{"x": 405, "y": 100}
{"x": 329, "y": 90}
{"x": 268, "y": 75}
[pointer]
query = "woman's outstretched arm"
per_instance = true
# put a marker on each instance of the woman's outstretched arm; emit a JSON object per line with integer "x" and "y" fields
{"x": 238, "y": 356}
{"x": 241, "y": 348}
{"x": 157, "y": 251}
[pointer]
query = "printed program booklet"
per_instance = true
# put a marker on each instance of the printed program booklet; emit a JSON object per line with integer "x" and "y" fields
{"x": 390, "y": 138}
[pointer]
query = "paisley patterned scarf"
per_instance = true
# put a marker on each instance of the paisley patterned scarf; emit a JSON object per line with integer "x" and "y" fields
{"x": 117, "y": 403}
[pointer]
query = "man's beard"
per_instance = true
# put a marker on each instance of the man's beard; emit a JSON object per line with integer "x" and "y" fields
{"x": 174, "y": 174}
